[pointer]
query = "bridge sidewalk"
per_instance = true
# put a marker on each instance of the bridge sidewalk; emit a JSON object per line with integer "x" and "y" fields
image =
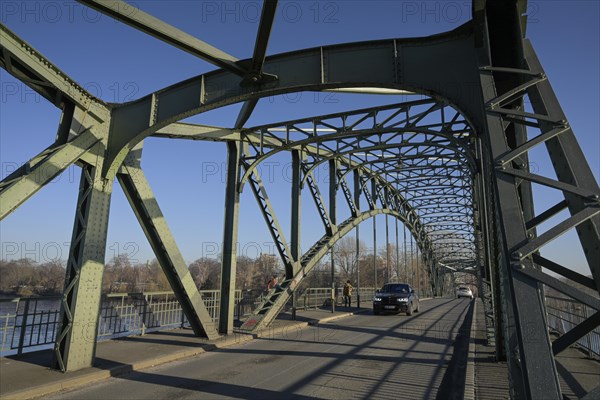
{"x": 29, "y": 375}
{"x": 577, "y": 373}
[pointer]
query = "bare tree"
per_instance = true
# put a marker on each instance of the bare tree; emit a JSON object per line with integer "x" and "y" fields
{"x": 345, "y": 259}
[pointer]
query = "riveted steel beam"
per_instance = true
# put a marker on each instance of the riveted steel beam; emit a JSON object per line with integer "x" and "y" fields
{"x": 531, "y": 362}
{"x": 376, "y": 66}
{"x": 75, "y": 344}
{"x": 141, "y": 198}
{"x": 25, "y": 63}
{"x": 138, "y": 19}
{"x": 27, "y": 180}
{"x": 230, "y": 234}
{"x": 295, "y": 211}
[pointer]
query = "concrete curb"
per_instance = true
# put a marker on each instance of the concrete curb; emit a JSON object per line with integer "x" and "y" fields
{"x": 470, "y": 373}
{"x": 97, "y": 376}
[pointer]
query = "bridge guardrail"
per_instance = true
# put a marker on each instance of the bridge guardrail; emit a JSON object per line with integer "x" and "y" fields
{"x": 564, "y": 314}
{"x": 31, "y": 323}
{"x": 319, "y": 297}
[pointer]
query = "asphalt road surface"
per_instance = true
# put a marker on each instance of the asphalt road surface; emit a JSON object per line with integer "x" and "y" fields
{"x": 362, "y": 356}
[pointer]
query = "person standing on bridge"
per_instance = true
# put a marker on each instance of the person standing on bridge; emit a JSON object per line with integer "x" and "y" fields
{"x": 272, "y": 283}
{"x": 347, "y": 292}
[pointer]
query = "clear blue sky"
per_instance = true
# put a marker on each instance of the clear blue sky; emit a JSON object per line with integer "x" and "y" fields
{"x": 117, "y": 63}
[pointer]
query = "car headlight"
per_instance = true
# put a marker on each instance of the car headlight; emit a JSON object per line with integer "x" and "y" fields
{"x": 376, "y": 298}
{"x": 402, "y": 300}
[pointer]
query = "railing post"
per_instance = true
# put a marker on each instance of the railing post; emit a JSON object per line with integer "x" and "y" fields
{"x": 182, "y": 318}
{"x": 589, "y": 335}
{"x": 144, "y": 298}
{"x": 23, "y": 326}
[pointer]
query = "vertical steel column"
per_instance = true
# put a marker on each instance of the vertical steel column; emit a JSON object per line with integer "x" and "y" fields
{"x": 230, "y": 238}
{"x": 397, "y": 263}
{"x": 405, "y": 257}
{"x": 374, "y": 197}
{"x": 532, "y": 369}
{"x": 295, "y": 214}
{"x": 387, "y": 249}
{"x": 412, "y": 261}
{"x": 332, "y": 218}
{"x": 295, "y": 250}
{"x": 418, "y": 271}
{"x": 75, "y": 345}
{"x": 416, "y": 264}
{"x": 375, "y": 251}
{"x": 357, "y": 205}
{"x": 490, "y": 266}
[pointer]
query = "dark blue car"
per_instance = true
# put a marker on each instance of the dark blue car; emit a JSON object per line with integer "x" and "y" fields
{"x": 396, "y": 297}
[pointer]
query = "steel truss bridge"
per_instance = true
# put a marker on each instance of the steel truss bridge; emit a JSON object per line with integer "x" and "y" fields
{"x": 451, "y": 165}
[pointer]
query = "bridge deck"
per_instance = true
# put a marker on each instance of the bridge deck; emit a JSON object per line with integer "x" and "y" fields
{"x": 362, "y": 356}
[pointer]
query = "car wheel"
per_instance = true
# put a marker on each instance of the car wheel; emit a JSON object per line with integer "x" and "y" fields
{"x": 375, "y": 312}
{"x": 417, "y": 310}
{"x": 410, "y": 310}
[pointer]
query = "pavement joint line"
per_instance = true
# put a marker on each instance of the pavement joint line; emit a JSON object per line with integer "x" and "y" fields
{"x": 97, "y": 376}
{"x": 470, "y": 372}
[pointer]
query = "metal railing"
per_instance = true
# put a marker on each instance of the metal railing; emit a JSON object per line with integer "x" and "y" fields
{"x": 564, "y": 314}
{"x": 31, "y": 323}
{"x": 321, "y": 297}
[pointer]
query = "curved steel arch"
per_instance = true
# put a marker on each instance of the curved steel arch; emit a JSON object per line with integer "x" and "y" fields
{"x": 381, "y": 60}
{"x": 418, "y": 137}
{"x": 275, "y": 300}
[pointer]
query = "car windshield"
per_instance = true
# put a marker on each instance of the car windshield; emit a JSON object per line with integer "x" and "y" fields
{"x": 395, "y": 288}
{"x": 463, "y": 288}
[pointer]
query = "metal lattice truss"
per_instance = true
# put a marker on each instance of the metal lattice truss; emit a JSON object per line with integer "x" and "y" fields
{"x": 452, "y": 165}
{"x": 418, "y": 155}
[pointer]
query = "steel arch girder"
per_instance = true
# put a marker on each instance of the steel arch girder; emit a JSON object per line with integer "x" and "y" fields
{"x": 410, "y": 64}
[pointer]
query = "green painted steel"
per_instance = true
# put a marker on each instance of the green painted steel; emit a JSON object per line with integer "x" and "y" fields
{"x": 460, "y": 185}
{"x": 145, "y": 206}
{"x": 230, "y": 234}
